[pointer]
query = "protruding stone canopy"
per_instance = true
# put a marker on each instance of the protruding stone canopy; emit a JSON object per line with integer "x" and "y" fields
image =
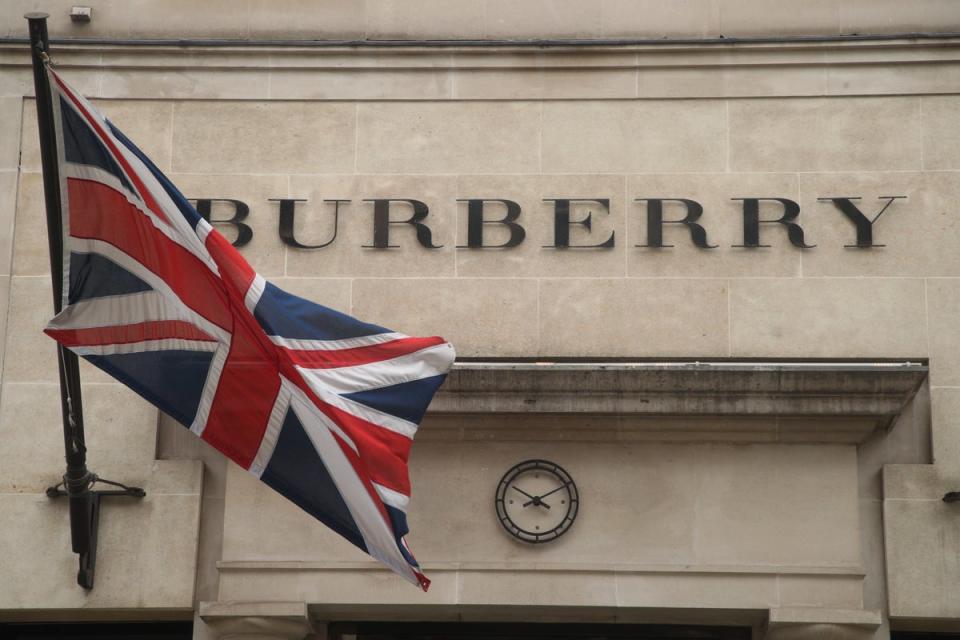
{"x": 800, "y": 401}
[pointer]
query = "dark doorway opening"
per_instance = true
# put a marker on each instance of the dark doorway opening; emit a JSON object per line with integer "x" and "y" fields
{"x": 527, "y": 631}
{"x": 98, "y": 631}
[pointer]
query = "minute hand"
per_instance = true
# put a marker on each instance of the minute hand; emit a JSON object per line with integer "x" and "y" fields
{"x": 563, "y": 486}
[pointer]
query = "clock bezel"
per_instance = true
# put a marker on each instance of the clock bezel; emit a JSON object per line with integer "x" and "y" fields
{"x": 537, "y": 537}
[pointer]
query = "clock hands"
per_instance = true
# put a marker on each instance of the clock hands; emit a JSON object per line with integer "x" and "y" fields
{"x": 523, "y": 492}
{"x": 536, "y": 500}
{"x": 563, "y": 486}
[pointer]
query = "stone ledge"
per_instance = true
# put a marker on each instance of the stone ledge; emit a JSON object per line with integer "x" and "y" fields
{"x": 872, "y": 394}
{"x": 501, "y": 73}
{"x": 836, "y": 624}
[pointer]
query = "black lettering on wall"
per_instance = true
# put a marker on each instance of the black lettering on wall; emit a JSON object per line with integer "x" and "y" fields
{"x": 382, "y": 222}
{"x": 288, "y": 219}
{"x": 240, "y": 213}
{"x": 863, "y": 224}
{"x": 655, "y": 222}
{"x": 562, "y": 223}
{"x": 752, "y": 222}
{"x": 475, "y": 222}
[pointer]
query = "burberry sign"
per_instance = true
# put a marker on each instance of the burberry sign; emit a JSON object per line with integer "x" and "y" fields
{"x": 759, "y": 218}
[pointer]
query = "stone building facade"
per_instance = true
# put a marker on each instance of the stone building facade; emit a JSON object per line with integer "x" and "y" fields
{"x": 760, "y": 418}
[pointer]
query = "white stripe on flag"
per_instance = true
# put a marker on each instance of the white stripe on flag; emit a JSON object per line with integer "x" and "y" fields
{"x": 165, "y": 344}
{"x": 393, "y": 498}
{"x": 254, "y": 292}
{"x": 274, "y": 425}
{"x": 210, "y": 388}
{"x": 425, "y": 363}
{"x": 336, "y": 345}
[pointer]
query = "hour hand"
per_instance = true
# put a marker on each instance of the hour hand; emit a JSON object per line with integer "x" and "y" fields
{"x": 523, "y": 492}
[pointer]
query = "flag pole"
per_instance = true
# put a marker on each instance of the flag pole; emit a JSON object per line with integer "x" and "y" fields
{"x": 78, "y": 481}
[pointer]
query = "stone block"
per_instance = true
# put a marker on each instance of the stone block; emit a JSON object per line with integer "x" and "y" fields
{"x": 720, "y": 590}
{"x": 828, "y": 318}
{"x": 734, "y": 81}
{"x": 825, "y": 134}
{"x": 532, "y": 84}
{"x": 351, "y": 255}
{"x": 186, "y": 84}
{"x": 922, "y": 539}
{"x": 651, "y": 19}
{"x": 722, "y": 220}
{"x": 590, "y": 317}
{"x": 336, "y": 19}
{"x": 173, "y": 18}
{"x": 265, "y": 251}
{"x": 945, "y": 425}
{"x": 534, "y": 257}
{"x": 146, "y": 553}
{"x": 120, "y": 433}
{"x": 890, "y": 79}
{"x": 873, "y": 592}
{"x": 248, "y": 137}
{"x": 542, "y": 19}
{"x": 4, "y": 310}
{"x": 801, "y": 623}
{"x": 890, "y": 16}
{"x": 919, "y": 481}
{"x": 539, "y": 588}
{"x": 480, "y": 317}
{"x": 943, "y": 305}
{"x": 640, "y": 136}
{"x": 430, "y": 19}
{"x": 448, "y": 137}
{"x": 356, "y": 585}
{"x": 941, "y": 141}
{"x": 915, "y": 231}
{"x": 367, "y": 84}
{"x": 8, "y": 202}
{"x": 11, "y": 109}
{"x": 210, "y": 547}
{"x": 841, "y": 592}
{"x": 16, "y": 83}
{"x": 749, "y": 18}
{"x": 30, "y": 356}
{"x": 147, "y": 123}
{"x": 783, "y": 505}
{"x": 31, "y": 253}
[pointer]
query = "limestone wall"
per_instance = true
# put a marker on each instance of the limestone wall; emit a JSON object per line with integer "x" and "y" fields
{"x": 740, "y": 526}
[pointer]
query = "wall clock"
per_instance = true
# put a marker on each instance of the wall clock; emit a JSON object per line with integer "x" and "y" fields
{"x": 537, "y": 501}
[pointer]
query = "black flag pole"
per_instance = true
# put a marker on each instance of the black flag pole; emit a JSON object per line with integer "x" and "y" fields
{"x": 78, "y": 481}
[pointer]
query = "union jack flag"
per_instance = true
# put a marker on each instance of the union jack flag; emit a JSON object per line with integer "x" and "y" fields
{"x": 318, "y": 405}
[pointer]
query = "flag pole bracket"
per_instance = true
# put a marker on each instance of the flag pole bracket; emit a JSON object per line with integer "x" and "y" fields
{"x": 85, "y": 511}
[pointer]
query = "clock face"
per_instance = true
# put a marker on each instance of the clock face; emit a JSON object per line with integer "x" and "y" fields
{"x": 537, "y": 501}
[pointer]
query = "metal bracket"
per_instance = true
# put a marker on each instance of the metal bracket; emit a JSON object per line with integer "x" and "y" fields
{"x": 85, "y": 517}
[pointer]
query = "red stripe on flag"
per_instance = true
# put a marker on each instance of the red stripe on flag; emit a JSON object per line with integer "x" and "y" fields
{"x": 100, "y": 212}
{"x": 105, "y": 138}
{"x": 244, "y": 398}
{"x": 384, "y": 453}
{"x": 236, "y": 272}
{"x": 128, "y": 333}
{"x": 329, "y": 359}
